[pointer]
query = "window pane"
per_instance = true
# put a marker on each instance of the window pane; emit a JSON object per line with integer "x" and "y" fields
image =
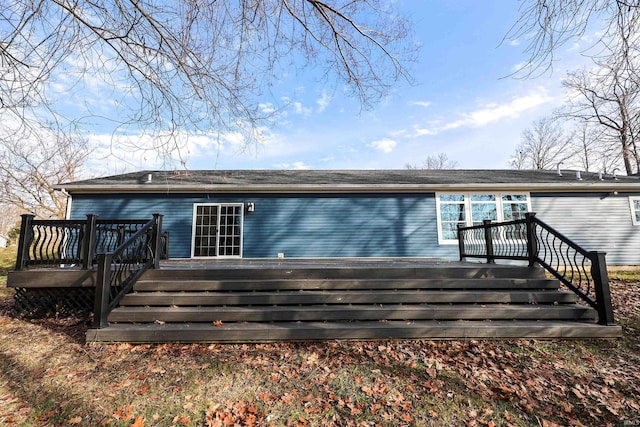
{"x": 452, "y": 212}
{"x": 450, "y": 230}
{"x": 452, "y": 198}
{"x": 515, "y": 198}
{"x": 482, "y": 211}
{"x": 483, "y": 197}
{"x": 514, "y": 211}
{"x": 636, "y": 208}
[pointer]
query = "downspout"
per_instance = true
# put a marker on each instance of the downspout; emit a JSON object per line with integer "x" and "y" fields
{"x": 67, "y": 211}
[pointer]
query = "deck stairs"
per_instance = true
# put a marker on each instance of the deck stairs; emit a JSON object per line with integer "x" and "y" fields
{"x": 262, "y": 303}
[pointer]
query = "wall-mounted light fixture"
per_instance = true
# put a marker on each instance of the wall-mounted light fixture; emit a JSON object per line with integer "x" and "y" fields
{"x": 609, "y": 194}
{"x": 251, "y": 207}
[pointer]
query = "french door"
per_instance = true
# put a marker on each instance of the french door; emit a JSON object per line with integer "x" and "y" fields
{"x": 217, "y": 230}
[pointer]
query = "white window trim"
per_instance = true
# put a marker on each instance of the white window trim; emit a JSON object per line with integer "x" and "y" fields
{"x": 634, "y": 220}
{"x": 193, "y": 229}
{"x": 467, "y": 208}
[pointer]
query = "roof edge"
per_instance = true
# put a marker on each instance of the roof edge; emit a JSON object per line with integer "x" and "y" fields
{"x": 347, "y": 188}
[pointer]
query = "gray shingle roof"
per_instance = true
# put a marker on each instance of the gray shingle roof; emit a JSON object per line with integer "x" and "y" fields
{"x": 349, "y": 180}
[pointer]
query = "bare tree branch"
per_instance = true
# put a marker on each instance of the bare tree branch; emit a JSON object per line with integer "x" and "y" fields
{"x": 187, "y": 66}
{"x": 543, "y": 146}
{"x": 547, "y": 25}
{"x": 438, "y": 161}
{"x": 29, "y": 170}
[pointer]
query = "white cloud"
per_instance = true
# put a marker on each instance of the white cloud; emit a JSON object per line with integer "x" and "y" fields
{"x": 323, "y": 101}
{"x": 418, "y": 131}
{"x": 298, "y": 108}
{"x": 520, "y": 66}
{"x": 514, "y": 42}
{"x": 267, "y": 108}
{"x": 421, "y": 103}
{"x": 294, "y": 165}
{"x": 489, "y": 113}
{"x": 385, "y": 145}
{"x": 193, "y": 150}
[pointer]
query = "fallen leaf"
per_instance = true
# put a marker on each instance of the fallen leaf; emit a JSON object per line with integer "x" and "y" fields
{"x": 368, "y": 390}
{"x": 577, "y": 392}
{"x": 139, "y": 422}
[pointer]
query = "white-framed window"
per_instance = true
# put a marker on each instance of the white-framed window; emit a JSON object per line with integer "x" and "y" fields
{"x": 469, "y": 209}
{"x": 634, "y": 204}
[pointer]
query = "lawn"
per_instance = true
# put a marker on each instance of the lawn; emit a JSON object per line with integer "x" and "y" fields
{"x": 50, "y": 377}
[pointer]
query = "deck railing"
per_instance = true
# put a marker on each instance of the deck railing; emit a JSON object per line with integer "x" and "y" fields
{"x": 73, "y": 243}
{"x": 122, "y": 249}
{"x": 52, "y": 242}
{"x": 532, "y": 240}
{"x": 119, "y": 269}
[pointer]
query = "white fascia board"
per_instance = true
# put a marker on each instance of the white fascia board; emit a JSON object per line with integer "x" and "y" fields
{"x": 352, "y": 188}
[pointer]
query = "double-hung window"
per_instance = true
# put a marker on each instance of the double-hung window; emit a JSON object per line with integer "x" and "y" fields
{"x": 469, "y": 209}
{"x": 634, "y": 203}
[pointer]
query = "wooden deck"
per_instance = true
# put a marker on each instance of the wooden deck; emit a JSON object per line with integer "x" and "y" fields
{"x": 273, "y": 300}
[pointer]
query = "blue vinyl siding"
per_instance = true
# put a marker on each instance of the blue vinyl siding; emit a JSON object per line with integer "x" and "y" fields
{"x": 596, "y": 221}
{"x": 300, "y": 226}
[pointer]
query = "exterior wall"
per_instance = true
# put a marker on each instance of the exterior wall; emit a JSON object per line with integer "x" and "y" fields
{"x": 300, "y": 226}
{"x": 600, "y": 221}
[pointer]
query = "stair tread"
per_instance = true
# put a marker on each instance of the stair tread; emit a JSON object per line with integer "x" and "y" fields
{"x": 381, "y": 283}
{"x": 372, "y": 307}
{"x": 351, "y": 312}
{"x": 320, "y": 269}
{"x": 344, "y": 297}
{"x": 261, "y": 332}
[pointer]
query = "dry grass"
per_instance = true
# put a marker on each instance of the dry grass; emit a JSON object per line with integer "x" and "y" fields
{"x": 7, "y": 260}
{"x": 629, "y": 274}
{"x": 50, "y": 377}
{"x": 7, "y": 263}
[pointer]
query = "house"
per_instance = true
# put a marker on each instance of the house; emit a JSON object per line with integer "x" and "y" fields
{"x": 3, "y": 241}
{"x": 358, "y": 254}
{"x": 361, "y": 213}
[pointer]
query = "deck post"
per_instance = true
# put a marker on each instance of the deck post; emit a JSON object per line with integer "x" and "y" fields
{"x": 488, "y": 240}
{"x": 601, "y": 284}
{"x": 89, "y": 241}
{"x": 26, "y": 235}
{"x": 103, "y": 289}
{"x": 164, "y": 245}
{"x": 156, "y": 241}
{"x": 461, "y": 243}
{"x": 532, "y": 243}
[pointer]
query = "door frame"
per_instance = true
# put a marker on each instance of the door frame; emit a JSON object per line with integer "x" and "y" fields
{"x": 194, "y": 224}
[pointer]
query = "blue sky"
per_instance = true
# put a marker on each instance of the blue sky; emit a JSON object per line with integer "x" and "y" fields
{"x": 462, "y": 103}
